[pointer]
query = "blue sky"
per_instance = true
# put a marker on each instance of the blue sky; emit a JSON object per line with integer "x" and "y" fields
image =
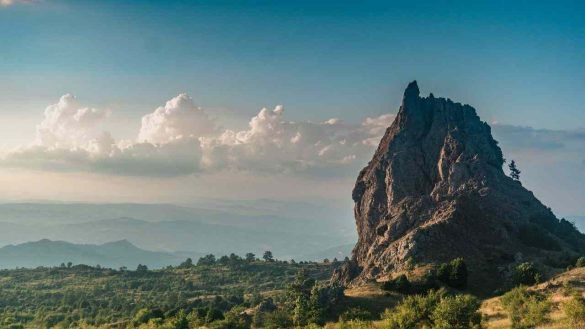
{"x": 519, "y": 64}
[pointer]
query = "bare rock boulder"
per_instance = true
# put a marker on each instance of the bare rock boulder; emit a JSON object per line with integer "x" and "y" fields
{"x": 435, "y": 190}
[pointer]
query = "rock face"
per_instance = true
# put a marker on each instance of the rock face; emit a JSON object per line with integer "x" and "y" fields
{"x": 435, "y": 190}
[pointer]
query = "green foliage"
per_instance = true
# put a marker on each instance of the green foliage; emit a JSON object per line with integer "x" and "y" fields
{"x": 574, "y": 310}
{"x": 268, "y": 256}
{"x": 526, "y": 274}
{"x": 435, "y": 310}
{"x": 458, "y": 312}
{"x": 400, "y": 284}
{"x": 178, "y": 322}
{"x": 144, "y": 315}
{"x": 355, "y": 324}
{"x": 276, "y": 320}
{"x": 414, "y": 311}
{"x": 454, "y": 274}
{"x": 514, "y": 171}
{"x": 209, "y": 294}
{"x": 526, "y": 309}
{"x": 206, "y": 260}
{"x": 187, "y": 263}
{"x": 356, "y": 313}
{"x": 309, "y": 302}
{"x": 250, "y": 257}
{"x": 580, "y": 262}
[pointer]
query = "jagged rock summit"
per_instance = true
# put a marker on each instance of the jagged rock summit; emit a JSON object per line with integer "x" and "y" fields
{"x": 435, "y": 190}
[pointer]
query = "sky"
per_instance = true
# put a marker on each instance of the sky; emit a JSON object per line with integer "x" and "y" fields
{"x": 170, "y": 101}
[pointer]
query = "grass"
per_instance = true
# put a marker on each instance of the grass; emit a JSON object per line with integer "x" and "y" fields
{"x": 560, "y": 289}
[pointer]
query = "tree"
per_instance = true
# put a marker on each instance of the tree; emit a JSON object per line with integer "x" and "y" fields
{"x": 514, "y": 171}
{"x": 458, "y": 275}
{"x": 268, "y": 256}
{"x": 526, "y": 274}
{"x": 250, "y": 257}
{"x": 141, "y": 268}
{"x": 206, "y": 260}
{"x": 187, "y": 263}
{"x": 179, "y": 322}
{"x": 454, "y": 273}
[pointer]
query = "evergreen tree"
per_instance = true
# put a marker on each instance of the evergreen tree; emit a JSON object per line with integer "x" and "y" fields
{"x": 514, "y": 171}
{"x": 268, "y": 256}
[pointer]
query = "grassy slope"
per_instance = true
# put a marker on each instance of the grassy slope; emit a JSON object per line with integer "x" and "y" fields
{"x": 371, "y": 297}
{"x": 555, "y": 288}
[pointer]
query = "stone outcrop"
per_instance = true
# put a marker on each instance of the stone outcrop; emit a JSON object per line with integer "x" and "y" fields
{"x": 435, "y": 190}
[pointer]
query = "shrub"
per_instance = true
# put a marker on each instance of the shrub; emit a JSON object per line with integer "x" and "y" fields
{"x": 233, "y": 320}
{"x": 526, "y": 309}
{"x": 458, "y": 275}
{"x": 399, "y": 284}
{"x": 580, "y": 262}
{"x": 454, "y": 273}
{"x": 574, "y": 310}
{"x": 277, "y": 319}
{"x": 459, "y": 312}
{"x": 144, "y": 315}
{"x": 526, "y": 274}
{"x": 356, "y": 313}
{"x": 354, "y": 324}
{"x": 414, "y": 311}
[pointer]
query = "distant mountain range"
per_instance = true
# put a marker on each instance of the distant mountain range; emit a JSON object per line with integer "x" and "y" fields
{"x": 113, "y": 254}
{"x": 289, "y": 230}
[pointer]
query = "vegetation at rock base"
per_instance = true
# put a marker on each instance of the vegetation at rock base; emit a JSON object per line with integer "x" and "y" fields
{"x": 574, "y": 310}
{"x": 526, "y": 274}
{"x": 526, "y": 309}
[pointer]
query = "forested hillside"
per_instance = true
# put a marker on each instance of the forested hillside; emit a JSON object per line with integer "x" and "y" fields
{"x": 76, "y": 295}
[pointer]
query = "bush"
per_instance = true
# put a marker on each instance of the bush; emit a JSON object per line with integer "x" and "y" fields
{"x": 574, "y": 310}
{"x": 356, "y": 313}
{"x": 354, "y": 324}
{"x": 413, "y": 311}
{"x": 454, "y": 274}
{"x": 399, "y": 284}
{"x": 459, "y": 312}
{"x": 580, "y": 262}
{"x": 526, "y": 274}
{"x": 526, "y": 309}
{"x": 276, "y": 320}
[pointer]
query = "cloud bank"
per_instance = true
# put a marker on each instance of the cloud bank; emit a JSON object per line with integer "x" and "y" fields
{"x": 180, "y": 138}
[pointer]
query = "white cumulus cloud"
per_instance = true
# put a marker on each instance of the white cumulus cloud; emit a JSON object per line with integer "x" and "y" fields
{"x": 180, "y": 138}
{"x": 68, "y": 123}
{"x": 179, "y": 118}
